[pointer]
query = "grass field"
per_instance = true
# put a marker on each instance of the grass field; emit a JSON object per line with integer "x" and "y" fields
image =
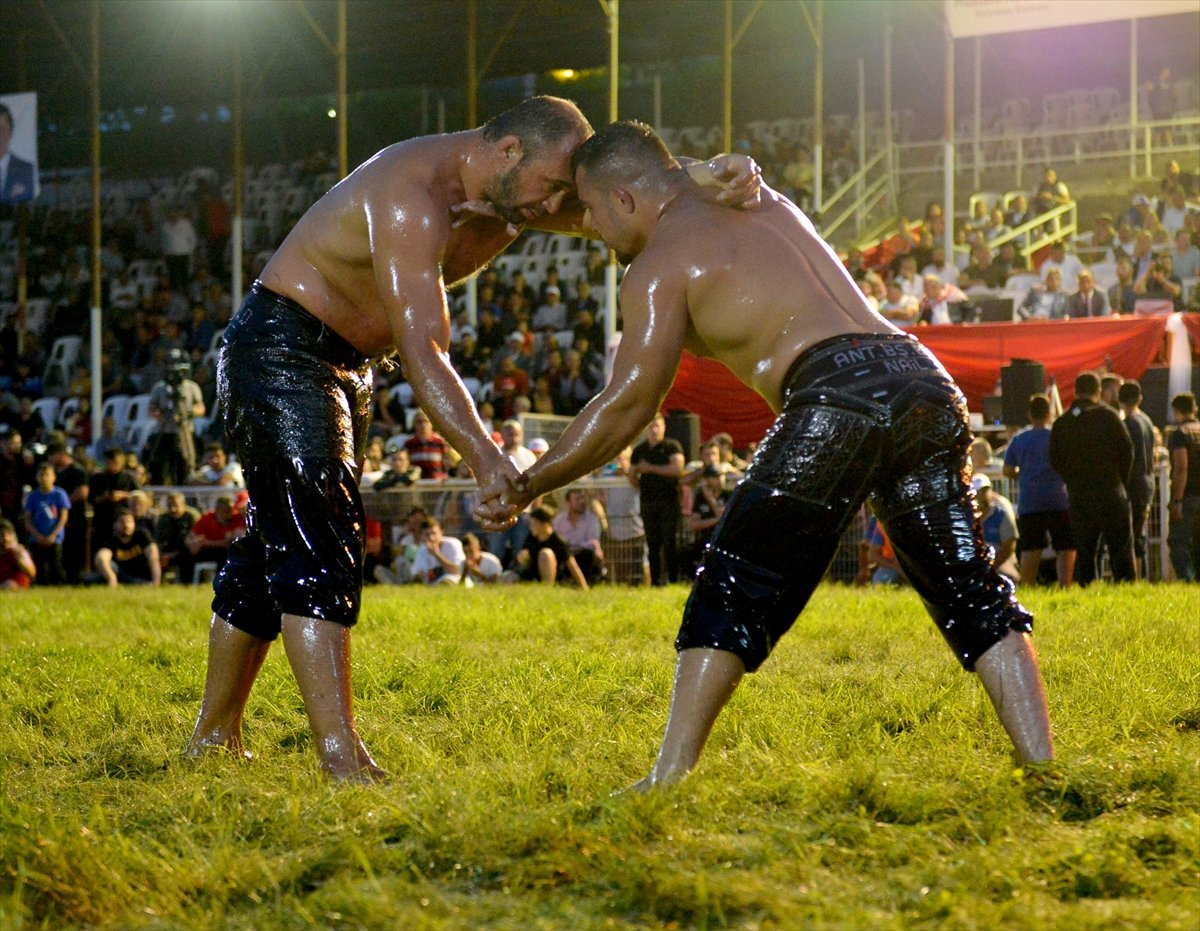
{"x": 859, "y": 780}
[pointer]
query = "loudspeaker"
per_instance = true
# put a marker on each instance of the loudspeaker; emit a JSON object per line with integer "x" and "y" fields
{"x": 684, "y": 426}
{"x": 1018, "y": 382}
{"x": 1156, "y": 385}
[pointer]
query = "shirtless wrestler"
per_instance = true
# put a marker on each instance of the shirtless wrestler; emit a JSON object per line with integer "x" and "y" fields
{"x": 362, "y": 275}
{"x": 864, "y": 413}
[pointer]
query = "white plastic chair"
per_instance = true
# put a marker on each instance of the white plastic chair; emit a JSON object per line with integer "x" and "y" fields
{"x": 47, "y": 409}
{"x": 64, "y": 357}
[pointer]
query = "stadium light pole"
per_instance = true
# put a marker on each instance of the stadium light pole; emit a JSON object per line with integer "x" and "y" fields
{"x": 732, "y": 38}
{"x": 239, "y": 170}
{"x": 611, "y": 9}
{"x": 97, "y": 283}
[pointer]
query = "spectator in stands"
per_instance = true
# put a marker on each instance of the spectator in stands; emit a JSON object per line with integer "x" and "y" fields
{"x": 1088, "y": 301}
{"x": 479, "y": 566}
{"x": 855, "y": 264}
{"x": 995, "y": 513}
{"x": 582, "y": 301}
{"x": 1141, "y": 215}
{"x": 1125, "y": 244}
{"x": 541, "y": 398}
{"x": 910, "y": 282}
{"x": 996, "y": 227}
{"x": 552, "y": 314}
{"x": 1160, "y": 95}
{"x": 946, "y": 271}
{"x": 46, "y": 510}
{"x": 426, "y": 450}
{"x": 1045, "y": 302}
{"x": 710, "y": 455}
{"x": 545, "y": 557}
{"x": 1051, "y": 192}
{"x": 109, "y": 490}
{"x": 1104, "y": 237}
{"x": 1121, "y": 296}
{"x": 468, "y": 358}
{"x": 658, "y": 464}
{"x": 17, "y": 569}
{"x": 211, "y": 535}
{"x": 128, "y": 557}
{"x": 982, "y": 270}
{"x": 594, "y": 267}
{"x": 490, "y": 331}
{"x": 579, "y": 526}
{"x": 576, "y": 386}
{"x": 1159, "y": 282}
{"x": 1174, "y": 211}
{"x": 1186, "y": 257}
{"x": 1018, "y": 212}
{"x": 587, "y": 327}
{"x": 1067, "y": 263}
{"x": 1090, "y": 448}
{"x": 217, "y": 469}
{"x": 1042, "y": 506}
{"x": 506, "y": 544}
{"x": 171, "y": 533}
{"x": 1007, "y": 262}
{"x": 942, "y": 303}
{"x": 178, "y": 245}
{"x": 123, "y": 291}
{"x": 1183, "y": 445}
{"x": 901, "y": 308}
{"x": 867, "y": 288}
{"x": 400, "y": 473}
{"x": 387, "y": 413}
{"x": 1140, "y": 487}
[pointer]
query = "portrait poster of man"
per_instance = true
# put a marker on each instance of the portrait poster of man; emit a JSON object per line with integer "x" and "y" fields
{"x": 18, "y": 148}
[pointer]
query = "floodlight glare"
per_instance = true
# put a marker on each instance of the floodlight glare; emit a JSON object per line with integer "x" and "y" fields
{"x": 332, "y": 113}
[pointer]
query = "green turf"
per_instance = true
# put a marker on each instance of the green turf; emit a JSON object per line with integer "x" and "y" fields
{"x": 859, "y": 780}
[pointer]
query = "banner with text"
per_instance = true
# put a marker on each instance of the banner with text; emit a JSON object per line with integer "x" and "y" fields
{"x": 988, "y": 17}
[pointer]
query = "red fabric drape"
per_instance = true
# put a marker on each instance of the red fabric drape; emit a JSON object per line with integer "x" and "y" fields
{"x": 1192, "y": 322}
{"x": 972, "y": 354}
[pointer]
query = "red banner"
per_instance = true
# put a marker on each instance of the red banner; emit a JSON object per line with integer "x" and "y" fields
{"x": 972, "y": 354}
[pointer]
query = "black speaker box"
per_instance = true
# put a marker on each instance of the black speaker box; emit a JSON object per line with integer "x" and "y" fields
{"x": 1155, "y": 388}
{"x": 684, "y": 426}
{"x": 1018, "y": 382}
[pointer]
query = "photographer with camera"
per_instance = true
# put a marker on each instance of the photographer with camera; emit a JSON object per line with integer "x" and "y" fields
{"x": 174, "y": 402}
{"x": 1160, "y": 281}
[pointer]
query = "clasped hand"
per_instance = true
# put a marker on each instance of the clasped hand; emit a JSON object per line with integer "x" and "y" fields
{"x": 501, "y": 500}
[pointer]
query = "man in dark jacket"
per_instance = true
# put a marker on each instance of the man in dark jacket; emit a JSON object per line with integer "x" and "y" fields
{"x": 1090, "y": 448}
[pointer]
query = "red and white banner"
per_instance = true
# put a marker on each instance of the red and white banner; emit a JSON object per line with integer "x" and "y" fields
{"x": 987, "y": 17}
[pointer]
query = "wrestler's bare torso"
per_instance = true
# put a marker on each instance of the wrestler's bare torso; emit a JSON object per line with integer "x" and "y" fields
{"x": 760, "y": 286}
{"x": 340, "y": 261}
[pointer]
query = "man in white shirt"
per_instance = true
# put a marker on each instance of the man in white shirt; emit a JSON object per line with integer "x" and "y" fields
{"x": 178, "y": 245}
{"x": 946, "y": 271}
{"x": 579, "y": 526}
{"x": 506, "y": 544}
{"x": 1066, "y": 262}
{"x": 479, "y": 566}
{"x": 439, "y": 560}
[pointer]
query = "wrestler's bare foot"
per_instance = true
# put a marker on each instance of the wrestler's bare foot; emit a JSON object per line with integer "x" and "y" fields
{"x": 351, "y": 764}
{"x": 214, "y": 744}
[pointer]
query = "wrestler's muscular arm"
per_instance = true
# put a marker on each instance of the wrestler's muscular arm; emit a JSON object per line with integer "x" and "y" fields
{"x": 407, "y": 245}
{"x": 655, "y": 312}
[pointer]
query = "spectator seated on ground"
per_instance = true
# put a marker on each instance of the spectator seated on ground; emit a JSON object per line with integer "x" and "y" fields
{"x": 580, "y": 527}
{"x": 217, "y": 469}
{"x": 400, "y": 473}
{"x": 882, "y": 556}
{"x": 545, "y": 557}
{"x": 17, "y": 570}
{"x": 999, "y": 522}
{"x": 1045, "y": 302}
{"x": 439, "y": 559}
{"x": 405, "y": 544}
{"x": 479, "y": 566}
{"x": 171, "y": 534}
{"x": 128, "y": 557}
{"x": 211, "y": 535}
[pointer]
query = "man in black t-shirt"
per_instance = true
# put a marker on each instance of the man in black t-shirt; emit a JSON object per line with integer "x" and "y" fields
{"x": 545, "y": 558}
{"x": 1183, "y": 443}
{"x": 109, "y": 490}
{"x": 130, "y": 556}
{"x": 658, "y": 465}
{"x": 1140, "y": 486}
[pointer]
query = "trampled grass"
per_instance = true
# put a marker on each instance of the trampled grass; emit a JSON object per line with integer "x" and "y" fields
{"x": 859, "y": 780}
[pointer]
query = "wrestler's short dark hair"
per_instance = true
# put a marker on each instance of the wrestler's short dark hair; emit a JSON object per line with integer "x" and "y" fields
{"x": 1087, "y": 384}
{"x": 538, "y": 122}
{"x": 1039, "y": 407}
{"x": 1130, "y": 393}
{"x": 623, "y": 151}
{"x": 1185, "y": 403}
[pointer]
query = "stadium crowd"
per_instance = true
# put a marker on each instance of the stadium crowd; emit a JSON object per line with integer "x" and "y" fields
{"x": 536, "y": 347}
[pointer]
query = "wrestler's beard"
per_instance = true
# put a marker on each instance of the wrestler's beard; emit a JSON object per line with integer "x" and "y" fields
{"x": 501, "y": 193}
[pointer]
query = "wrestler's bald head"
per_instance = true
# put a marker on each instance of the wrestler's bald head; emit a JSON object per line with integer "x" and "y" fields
{"x": 540, "y": 123}
{"x": 624, "y": 153}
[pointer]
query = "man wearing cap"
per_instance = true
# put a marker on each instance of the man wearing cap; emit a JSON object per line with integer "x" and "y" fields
{"x": 999, "y": 525}
{"x": 506, "y": 544}
{"x": 552, "y": 315}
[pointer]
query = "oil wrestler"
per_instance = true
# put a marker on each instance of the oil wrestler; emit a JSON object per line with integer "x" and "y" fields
{"x": 864, "y": 414}
{"x": 360, "y": 276}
